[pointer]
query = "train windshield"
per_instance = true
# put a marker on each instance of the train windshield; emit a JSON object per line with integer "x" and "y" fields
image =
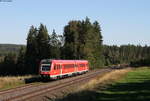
{"x": 46, "y": 66}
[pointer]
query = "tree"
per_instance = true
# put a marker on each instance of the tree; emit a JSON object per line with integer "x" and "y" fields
{"x": 71, "y": 35}
{"x": 55, "y": 45}
{"x": 31, "y": 54}
{"x": 9, "y": 64}
{"x": 93, "y": 43}
{"x": 97, "y": 44}
{"x": 38, "y": 47}
{"x": 83, "y": 40}
{"x": 43, "y": 40}
{"x": 21, "y": 61}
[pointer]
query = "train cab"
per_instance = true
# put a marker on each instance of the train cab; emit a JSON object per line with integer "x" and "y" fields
{"x": 45, "y": 68}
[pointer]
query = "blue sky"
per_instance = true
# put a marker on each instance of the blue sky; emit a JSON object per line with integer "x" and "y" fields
{"x": 122, "y": 21}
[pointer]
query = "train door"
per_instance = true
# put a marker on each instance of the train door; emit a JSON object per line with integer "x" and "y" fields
{"x": 76, "y": 67}
{"x": 61, "y": 69}
{"x": 57, "y": 69}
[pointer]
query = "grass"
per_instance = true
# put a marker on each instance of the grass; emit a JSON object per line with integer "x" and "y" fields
{"x": 8, "y": 82}
{"x": 105, "y": 79}
{"x": 127, "y": 85}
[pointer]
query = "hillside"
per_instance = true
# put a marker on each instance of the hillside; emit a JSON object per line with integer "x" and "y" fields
{"x": 7, "y": 48}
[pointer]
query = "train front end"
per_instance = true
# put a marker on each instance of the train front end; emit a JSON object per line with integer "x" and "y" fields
{"x": 45, "y": 68}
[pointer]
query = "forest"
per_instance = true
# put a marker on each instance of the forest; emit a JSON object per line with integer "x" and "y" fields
{"x": 81, "y": 39}
{"x": 8, "y": 48}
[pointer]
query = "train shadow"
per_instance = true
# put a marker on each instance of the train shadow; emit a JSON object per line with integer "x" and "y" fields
{"x": 37, "y": 79}
{"x": 45, "y": 79}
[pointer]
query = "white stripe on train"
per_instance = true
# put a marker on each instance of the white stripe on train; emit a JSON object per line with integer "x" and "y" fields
{"x": 69, "y": 74}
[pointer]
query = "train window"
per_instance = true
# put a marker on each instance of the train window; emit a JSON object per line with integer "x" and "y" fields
{"x": 54, "y": 67}
{"x": 69, "y": 66}
{"x": 65, "y": 66}
{"x": 82, "y": 65}
{"x": 57, "y": 66}
{"x": 45, "y": 67}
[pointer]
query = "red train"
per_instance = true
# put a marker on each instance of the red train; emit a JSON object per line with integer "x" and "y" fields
{"x": 55, "y": 69}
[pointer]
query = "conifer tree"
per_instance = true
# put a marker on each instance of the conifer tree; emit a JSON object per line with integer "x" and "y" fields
{"x": 31, "y": 51}
{"x": 71, "y": 35}
{"x": 43, "y": 42}
{"x": 9, "y": 67}
{"x": 55, "y": 46}
{"x": 83, "y": 40}
{"x": 21, "y": 61}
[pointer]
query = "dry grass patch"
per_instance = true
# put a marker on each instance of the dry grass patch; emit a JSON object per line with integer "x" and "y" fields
{"x": 105, "y": 79}
{"x": 13, "y": 81}
{"x": 90, "y": 91}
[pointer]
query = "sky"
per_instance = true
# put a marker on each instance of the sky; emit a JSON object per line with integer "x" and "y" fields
{"x": 122, "y": 21}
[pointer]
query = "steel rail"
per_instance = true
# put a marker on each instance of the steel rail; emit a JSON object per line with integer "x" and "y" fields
{"x": 37, "y": 92}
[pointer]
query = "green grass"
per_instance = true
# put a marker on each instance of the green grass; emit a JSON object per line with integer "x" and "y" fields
{"x": 135, "y": 86}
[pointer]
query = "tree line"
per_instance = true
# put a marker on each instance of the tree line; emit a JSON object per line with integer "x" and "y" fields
{"x": 127, "y": 54}
{"x": 9, "y": 48}
{"x": 81, "y": 39}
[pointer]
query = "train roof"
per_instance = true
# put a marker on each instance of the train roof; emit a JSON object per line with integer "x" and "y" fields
{"x": 54, "y": 60}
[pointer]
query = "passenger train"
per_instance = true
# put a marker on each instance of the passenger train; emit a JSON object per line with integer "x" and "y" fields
{"x": 55, "y": 69}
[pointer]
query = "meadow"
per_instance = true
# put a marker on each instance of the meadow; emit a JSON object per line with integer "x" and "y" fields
{"x": 8, "y": 82}
{"x": 119, "y": 85}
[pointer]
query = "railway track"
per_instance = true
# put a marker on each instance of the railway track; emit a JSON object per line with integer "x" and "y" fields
{"x": 27, "y": 92}
{"x": 16, "y": 88}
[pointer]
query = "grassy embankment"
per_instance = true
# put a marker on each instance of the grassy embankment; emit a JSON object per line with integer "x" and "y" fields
{"x": 120, "y": 85}
{"x": 15, "y": 81}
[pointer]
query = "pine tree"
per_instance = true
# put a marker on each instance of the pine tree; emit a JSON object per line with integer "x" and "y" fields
{"x": 97, "y": 44}
{"x": 93, "y": 43}
{"x": 21, "y": 61}
{"x": 31, "y": 54}
{"x": 38, "y": 47}
{"x": 83, "y": 40}
{"x": 9, "y": 67}
{"x": 71, "y": 35}
{"x": 43, "y": 42}
{"x": 55, "y": 46}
